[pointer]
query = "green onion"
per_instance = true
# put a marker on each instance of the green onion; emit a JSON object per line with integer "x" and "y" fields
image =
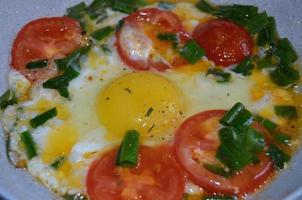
{"x": 97, "y": 8}
{"x": 44, "y": 117}
{"x": 166, "y": 5}
{"x": 217, "y": 197}
{"x": 219, "y": 75}
{"x": 105, "y": 48}
{"x": 171, "y": 37}
{"x": 282, "y": 138}
{"x": 205, "y": 6}
{"x": 37, "y": 64}
{"x": 267, "y": 124}
{"x": 257, "y": 23}
{"x": 217, "y": 169}
{"x": 8, "y": 149}
{"x": 63, "y": 91}
{"x": 128, "y": 152}
{"x": 245, "y": 67}
{"x": 102, "y": 33}
{"x": 283, "y": 76}
{"x": 278, "y": 157}
{"x": 289, "y": 112}
{"x": 254, "y": 140}
{"x": 269, "y": 34}
{"x": 127, "y": 6}
{"x": 58, "y": 162}
{"x": 192, "y": 52}
{"x": 266, "y": 62}
{"x": 232, "y": 152}
{"x": 77, "y": 196}
{"x": 77, "y": 11}
{"x": 237, "y": 116}
{"x": 285, "y": 52}
{"x": 149, "y": 111}
{"x": 7, "y": 99}
{"x": 29, "y": 144}
{"x": 238, "y": 13}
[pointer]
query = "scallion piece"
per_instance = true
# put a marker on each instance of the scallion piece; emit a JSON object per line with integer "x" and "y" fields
{"x": 128, "y": 152}
{"x": 237, "y": 116}
{"x": 257, "y": 23}
{"x": 37, "y": 64}
{"x": 219, "y": 75}
{"x": 58, "y": 162}
{"x": 245, "y": 67}
{"x": 278, "y": 156}
{"x": 267, "y": 124}
{"x": 205, "y": 6}
{"x": 44, "y": 117}
{"x": 285, "y": 52}
{"x": 77, "y": 11}
{"x": 217, "y": 197}
{"x": 77, "y": 196}
{"x": 97, "y": 8}
{"x": 8, "y": 149}
{"x": 283, "y": 76}
{"x": 289, "y": 112}
{"x": 7, "y": 99}
{"x": 269, "y": 34}
{"x": 266, "y": 62}
{"x": 102, "y": 33}
{"x": 192, "y": 52}
{"x": 171, "y": 37}
{"x": 29, "y": 144}
{"x": 123, "y": 6}
{"x": 217, "y": 169}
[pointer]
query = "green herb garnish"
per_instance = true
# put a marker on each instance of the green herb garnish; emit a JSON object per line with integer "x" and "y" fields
{"x": 285, "y": 52}
{"x": 278, "y": 156}
{"x": 217, "y": 169}
{"x": 44, "y": 117}
{"x": 7, "y": 99}
{"x": 269, "y": 34}
{"x": 102, "y": 33}
{"x": 245, "y": 67}
{"x": 257, "y": 23}
{"x": 283, "y": 76}
{"x": 29, "y": 144}
{"x": 128, "y": 152}
{"x": 58, "y": 162}
{"x": 192, "y": 52}
{"x": 37, "y": 64}
{"x": 289, "y": 112}
{"x": 219, "y": 75}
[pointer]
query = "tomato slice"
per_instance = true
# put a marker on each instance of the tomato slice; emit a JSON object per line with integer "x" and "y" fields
{"x": 196, "y": 143}
{"x": 138, "y": 45}
{"x": 225, "y": 43}
{"x": 45, "y": 38}
{"x": 157, "y": 176}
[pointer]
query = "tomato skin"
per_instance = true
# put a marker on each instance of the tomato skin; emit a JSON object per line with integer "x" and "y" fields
{"x": 193, "y": 137}
{"x": 157, "y": 176}
{"x": 165, "y": 21}
{"x": 45, "y": 38}
{"x": 225, "y": 43}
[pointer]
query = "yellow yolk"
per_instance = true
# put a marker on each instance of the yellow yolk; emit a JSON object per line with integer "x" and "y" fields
{"x": 146, "y": 102}
{"x": 201, "y": 66}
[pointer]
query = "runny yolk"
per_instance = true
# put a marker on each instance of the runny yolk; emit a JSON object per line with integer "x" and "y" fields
{"x": 143, "y": 101}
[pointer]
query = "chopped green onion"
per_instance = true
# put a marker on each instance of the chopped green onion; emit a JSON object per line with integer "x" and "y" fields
{"x": 219, "y": 75}
{"x": 282, "y": 138}
{"x": 102, "y": 33}
{"x": 238, "y": 13}
{"x": 217, "y": 197}
{"x": 217, "y": 169}
{"x": 8, "y": 149}
{"x": 285, "y": 52}
{"x": 44, "y": 117}
{"x": 97, "y": 8}
{"x": 237, "y": 116}
{"x": 63, "y": 91}
{"x": 254, "y": 140}
{"x": 245, "y": 67}
{"x": 289, "y": 112}
{"x": 278, "y": 157}
{"x": 127, "y": 6}
{"x": 119, "y": 25}
{"x": 37, "y": 64}
{"x": 29, "y": 144}
{"x": 171, "y": 37}
{"x": 257, "y": 23}
{"x": 266, "y": 62}
{"x": 166, "y": 5}
{"x": 205, "y": 6}
{"x": 283, "y": 76}
{"x": 7, "y": 99}
{"x": 266, "y": 123}
{"x": 192, "y": 52}
{"x": 128, "y": 152}
{"x": 105, "y": 48}
{"x": 269, "y": 34}
{"x": 77, "y": 11}
{"x": 77, "y": 196}
{"x": 232, "y": 152}
{"x": 58, "y": 162}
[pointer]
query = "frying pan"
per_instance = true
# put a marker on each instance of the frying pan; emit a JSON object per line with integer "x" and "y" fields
{"x": 17, "y": 184}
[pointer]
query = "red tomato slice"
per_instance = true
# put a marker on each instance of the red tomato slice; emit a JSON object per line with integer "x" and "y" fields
{"x": 45, "y": 38}
{"x": 157, "y": 176}
{"x": 225, "y": 43}
{"x": 196, "y": 143}
{"x": 137, "y": 42}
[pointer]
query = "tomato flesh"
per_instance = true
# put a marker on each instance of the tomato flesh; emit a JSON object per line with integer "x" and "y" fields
{"x": 196, "y": 143}
{"x": 225, "y": 43}
{"x": 157, "y": 176}
{"x": 45, "y": 38}
{"x": 138, "y": 45}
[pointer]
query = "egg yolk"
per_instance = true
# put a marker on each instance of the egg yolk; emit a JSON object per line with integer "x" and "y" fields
{"x": 142, "y": 101}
